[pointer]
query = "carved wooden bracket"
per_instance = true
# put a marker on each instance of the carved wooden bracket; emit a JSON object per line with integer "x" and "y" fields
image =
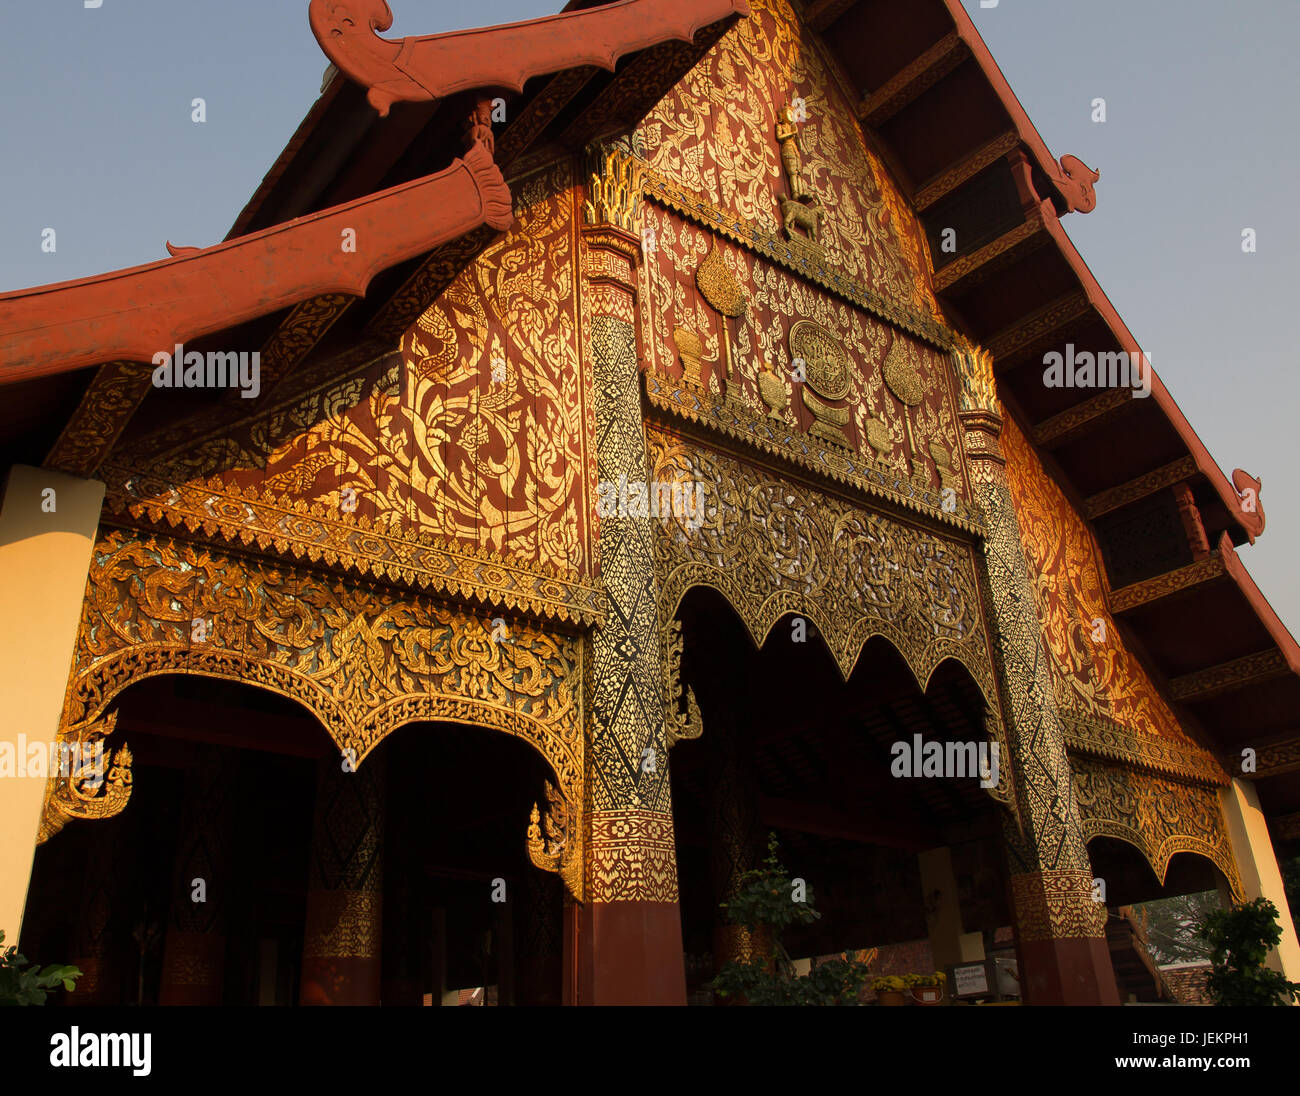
{"x": 86, "y": 790}
{"x": 678, "y": 727}
{"x": 555, "y": 841}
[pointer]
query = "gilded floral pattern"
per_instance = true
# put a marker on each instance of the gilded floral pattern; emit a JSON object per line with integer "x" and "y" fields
{"x": 716, "y": 134}
{"x": 1098, "y": 678}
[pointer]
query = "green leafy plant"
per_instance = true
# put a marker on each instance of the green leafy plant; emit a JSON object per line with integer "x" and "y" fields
{"x": 21, "y": 984}
{"x": 764, "y": 905}
{"x": 1239, "y": 941}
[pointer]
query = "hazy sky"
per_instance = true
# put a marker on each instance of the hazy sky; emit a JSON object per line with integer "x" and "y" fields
{"x": 1201, "y": 101}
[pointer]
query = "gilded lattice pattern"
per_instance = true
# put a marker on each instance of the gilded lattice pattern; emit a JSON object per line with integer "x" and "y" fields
{"x": 274, "y": 523}
{"x": 627, "y": 679}
{"x": 780, "y": 438}
{"x": 343, "y": 925}
{"x": 1158, "y": 816}
{"x": 633, "y": 857}
{"x": 716, "y": 134}
{"x": 773, "y": 547}
{"x": 361, "y": 659}
{"x": 472, "y": 429}
{"x": 494, "y": 391}
{"x": 811, "y": 266}
{"x": 1051, "y": 836}
{"x": 1099, "y": 677}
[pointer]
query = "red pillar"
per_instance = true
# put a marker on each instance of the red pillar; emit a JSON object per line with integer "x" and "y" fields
{"x": 623, "y": 946}
{"x": 1061, "y": 940}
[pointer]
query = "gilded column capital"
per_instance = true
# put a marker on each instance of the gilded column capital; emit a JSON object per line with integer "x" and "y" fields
{"x": 615, "y": 182}
{"x": 978, "y": 406}
{"x": 609, "y": 257}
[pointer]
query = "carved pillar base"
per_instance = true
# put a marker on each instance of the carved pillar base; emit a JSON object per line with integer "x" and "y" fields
{"x": 341, "y": 956}
{"x": 1061, "y": 935}
{"x": 625, "y": 953}
{"x": 624, "y": 945}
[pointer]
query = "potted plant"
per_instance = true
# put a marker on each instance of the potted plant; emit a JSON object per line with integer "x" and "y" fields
{"x": 927, "y": 989}
{"x": 763, "y": 905}
{"x": 890, "y": 989}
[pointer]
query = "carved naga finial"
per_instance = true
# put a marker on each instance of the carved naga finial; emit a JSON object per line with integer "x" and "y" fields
{"x": 1076, "y": 182}
{"x": 1251, "y": 509}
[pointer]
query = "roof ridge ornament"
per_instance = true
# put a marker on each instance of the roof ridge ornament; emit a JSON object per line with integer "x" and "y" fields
{"x": 433, "y": 66}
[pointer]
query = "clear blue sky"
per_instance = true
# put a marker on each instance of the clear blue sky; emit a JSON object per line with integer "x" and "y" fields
{"x": 1201, "y": 98}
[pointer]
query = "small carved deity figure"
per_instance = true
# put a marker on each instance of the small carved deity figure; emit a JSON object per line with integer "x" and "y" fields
{"x": 787, "y": 134}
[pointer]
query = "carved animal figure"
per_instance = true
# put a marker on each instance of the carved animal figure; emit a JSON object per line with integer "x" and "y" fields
{"x": 1077, "y": 184}
{"x": 806, "y": 216}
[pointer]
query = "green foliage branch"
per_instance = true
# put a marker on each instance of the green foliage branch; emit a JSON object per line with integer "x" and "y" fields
{"x": 764, "y": 905}
{"x": 22, "y": 984}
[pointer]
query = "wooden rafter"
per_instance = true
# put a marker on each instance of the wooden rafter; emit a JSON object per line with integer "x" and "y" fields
{"x": 913, "y": 81}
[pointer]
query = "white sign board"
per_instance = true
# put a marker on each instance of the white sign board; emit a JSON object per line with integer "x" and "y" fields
{"x": 970, "y": 981}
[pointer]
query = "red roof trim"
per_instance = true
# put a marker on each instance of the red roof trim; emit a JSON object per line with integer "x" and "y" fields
{"x": 1071, "y": 176}
{"x": 1253, "y": 523}
{"x": 136, "y": 313}
{"x": 423, "y": 69}
{"x": 1075, "y": 188}
{"x": 1236, "y": 570}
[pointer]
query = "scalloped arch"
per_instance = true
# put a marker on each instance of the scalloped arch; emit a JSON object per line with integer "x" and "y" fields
{"x": 1159, "y": 859}
{"x": 784, "y": 602}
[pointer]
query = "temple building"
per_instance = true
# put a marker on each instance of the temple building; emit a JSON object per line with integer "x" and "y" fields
{"x": 599, "y": 443}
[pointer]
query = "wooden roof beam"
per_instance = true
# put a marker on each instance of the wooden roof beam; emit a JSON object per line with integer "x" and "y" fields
{"x": 1181, "y": 580}
{"x": 820, "y": 14}
{"x": 1274, "y": 760}
{"x": 954, "y": 176}
{"x": 913, "y": 81}
{"x": 1083, "y": 418}
{"x": 1039, "y": 330}
{"x": 1009, "y": 248}
{"x": 1139, "y": 487}
{"x": 1228, "y": 677}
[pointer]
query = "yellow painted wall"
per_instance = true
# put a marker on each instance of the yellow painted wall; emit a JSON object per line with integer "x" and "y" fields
{"x": 44, "y": 558}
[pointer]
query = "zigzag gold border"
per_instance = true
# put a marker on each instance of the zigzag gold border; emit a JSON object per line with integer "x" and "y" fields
{"x": 1097, "y": 738}
{"x": 297, "y": 531}
{"x": 669, "y": 394}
